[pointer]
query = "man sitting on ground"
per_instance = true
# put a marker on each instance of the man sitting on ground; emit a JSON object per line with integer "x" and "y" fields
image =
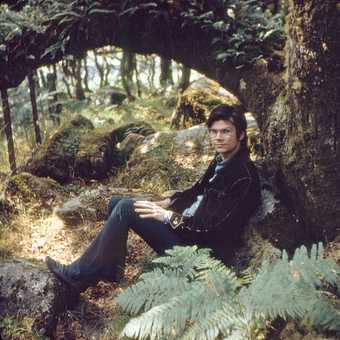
{"x": 211, "y": 214}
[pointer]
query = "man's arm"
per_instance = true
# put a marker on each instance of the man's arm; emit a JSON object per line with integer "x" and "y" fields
{"x": 221, "y": 210}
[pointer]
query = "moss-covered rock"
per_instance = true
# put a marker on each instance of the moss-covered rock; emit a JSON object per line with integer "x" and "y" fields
{"x": 96, "y": 155}
{"x": 123, "y": 131}
{"x": 30, "y": 291}
{"x": 166, "y": 161}
{"x": 27, "y": 188}
{"x": 130, "y": 143}
{"x": 197, "y": 101}
{"x": 75, "y": 150}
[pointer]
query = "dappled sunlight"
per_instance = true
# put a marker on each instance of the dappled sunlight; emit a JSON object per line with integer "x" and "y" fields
{"x": 40, "y": 235}
{"x": 152, "y": 142}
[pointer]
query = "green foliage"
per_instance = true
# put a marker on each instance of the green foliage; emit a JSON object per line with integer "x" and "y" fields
{"x": 20, "y": 328}
{"x": 296, "y": 288}
{"x": 190, "y": 295}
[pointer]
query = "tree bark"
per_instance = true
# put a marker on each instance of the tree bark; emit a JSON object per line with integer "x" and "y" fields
{"x": 8, "y": 130}
{"x": 31, "y": 84}
{"x": 165, "y": 78}
{"x": 127, "y": 67}
{"x": 79, "y": 91}
{"x": 301, "y": 129}
{"x": 86, "y": 75}
{"x": 185, "y": 78}
{"x": 311, "y": 164}
{"x": 54, "y": 108}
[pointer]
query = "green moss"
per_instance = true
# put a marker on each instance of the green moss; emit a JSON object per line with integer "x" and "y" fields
{"x": 18, "y": 328}
{"x": 196, "y": 103}
{"x": 156, "y": 170}
{"x": 27, "y": 187}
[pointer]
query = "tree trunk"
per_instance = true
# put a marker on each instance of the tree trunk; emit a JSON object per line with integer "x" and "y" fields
{"x": 100, "y": 69}
{"x": 301, "y": 130}
{"x": 107, "y": 71}
{"x": 31, "y": 84}
{"x": 86, "y": 75}
{"x": 54, "y": 108}
{"x": 313, "y": 129}
{"x": 127, "y": 67}
{"x": 152, "y": 72}
{"x": 79, "y": 91}
{"x": 8, "y": 130}
{"x": 165, "y": 78}
{"x": 42, "y": 79}
{"x": 185, "y": 78}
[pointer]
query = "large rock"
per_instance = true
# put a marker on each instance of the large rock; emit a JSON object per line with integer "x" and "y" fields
{"x": 142, "y": 128}
{"x": 166, "y": 161}
{"x": 197, "y": 101}
{"x": 26, "y": 290}
{"x": 26, "y": 188}
{"x": 96, "y": 156}
{"x": 75, "y": 150}
{"x": 92, "y": 204}
{"x": 129, "y": 143}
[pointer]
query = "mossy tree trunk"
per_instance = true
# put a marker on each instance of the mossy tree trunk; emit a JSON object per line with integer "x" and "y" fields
{"x": 165, "y": 78}
{"x": 127, "y": 68}
{"x": 311, "y": 154}
{"x": 79, "y": 90}
{"x": 185, "y": 78}
{"x": 86, "y": 74}
{"x": 301, "y": 128}
{"x": 8, "y": 130}
{"x": 31, "y": 84}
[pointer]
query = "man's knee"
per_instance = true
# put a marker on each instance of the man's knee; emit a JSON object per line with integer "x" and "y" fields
{"x": 125, "y": 207}
{"x": 113, "y": 202}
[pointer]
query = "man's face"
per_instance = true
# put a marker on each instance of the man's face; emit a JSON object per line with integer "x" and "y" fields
{"x": 224, "y": 138}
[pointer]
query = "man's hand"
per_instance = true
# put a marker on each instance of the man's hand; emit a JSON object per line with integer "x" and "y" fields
{"x": 164, "y": 203}
{"x": 146, "y": 209}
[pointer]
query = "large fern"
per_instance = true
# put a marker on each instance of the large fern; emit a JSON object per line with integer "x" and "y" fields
{"x": 190, "y": 295}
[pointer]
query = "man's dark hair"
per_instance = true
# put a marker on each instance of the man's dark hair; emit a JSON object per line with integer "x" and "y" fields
{"x": 233, "y": 114}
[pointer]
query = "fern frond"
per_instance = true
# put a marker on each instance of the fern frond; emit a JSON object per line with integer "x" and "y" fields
{"x": 151, "y": 291}
{"x": 290, "y": 289}
{"x": 194, "y": 297}
{"x": 220, "y": 322}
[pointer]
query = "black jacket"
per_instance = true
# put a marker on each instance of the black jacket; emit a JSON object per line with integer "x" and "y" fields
{"x": 228, "y": 202}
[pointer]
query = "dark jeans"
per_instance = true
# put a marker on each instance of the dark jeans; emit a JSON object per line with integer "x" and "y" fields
{"x": 105, "y": 257}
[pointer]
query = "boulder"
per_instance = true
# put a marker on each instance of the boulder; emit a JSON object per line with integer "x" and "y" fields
{"x": 26, "y": 188}
{"x": 27, "y": 290}
{"x": 72, "y": 211}
{"x": 123, "y": 131}
{"x": 117, "y": 98}
{"x": 6, "y": 211}
{"x": 92, "y": 203}
{"x": 96, "y": 156}
{"x": 166, "y": 161}
{"x": 197, "y": 101}
{"x": 129, "y": 143}
{"x": 75, "y": 150}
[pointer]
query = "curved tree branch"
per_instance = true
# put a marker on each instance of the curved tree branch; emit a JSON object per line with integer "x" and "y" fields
{"x": 194, "y": 36}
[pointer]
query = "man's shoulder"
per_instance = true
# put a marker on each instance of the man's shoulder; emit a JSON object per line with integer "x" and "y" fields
{"x": 242, "y": 169}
